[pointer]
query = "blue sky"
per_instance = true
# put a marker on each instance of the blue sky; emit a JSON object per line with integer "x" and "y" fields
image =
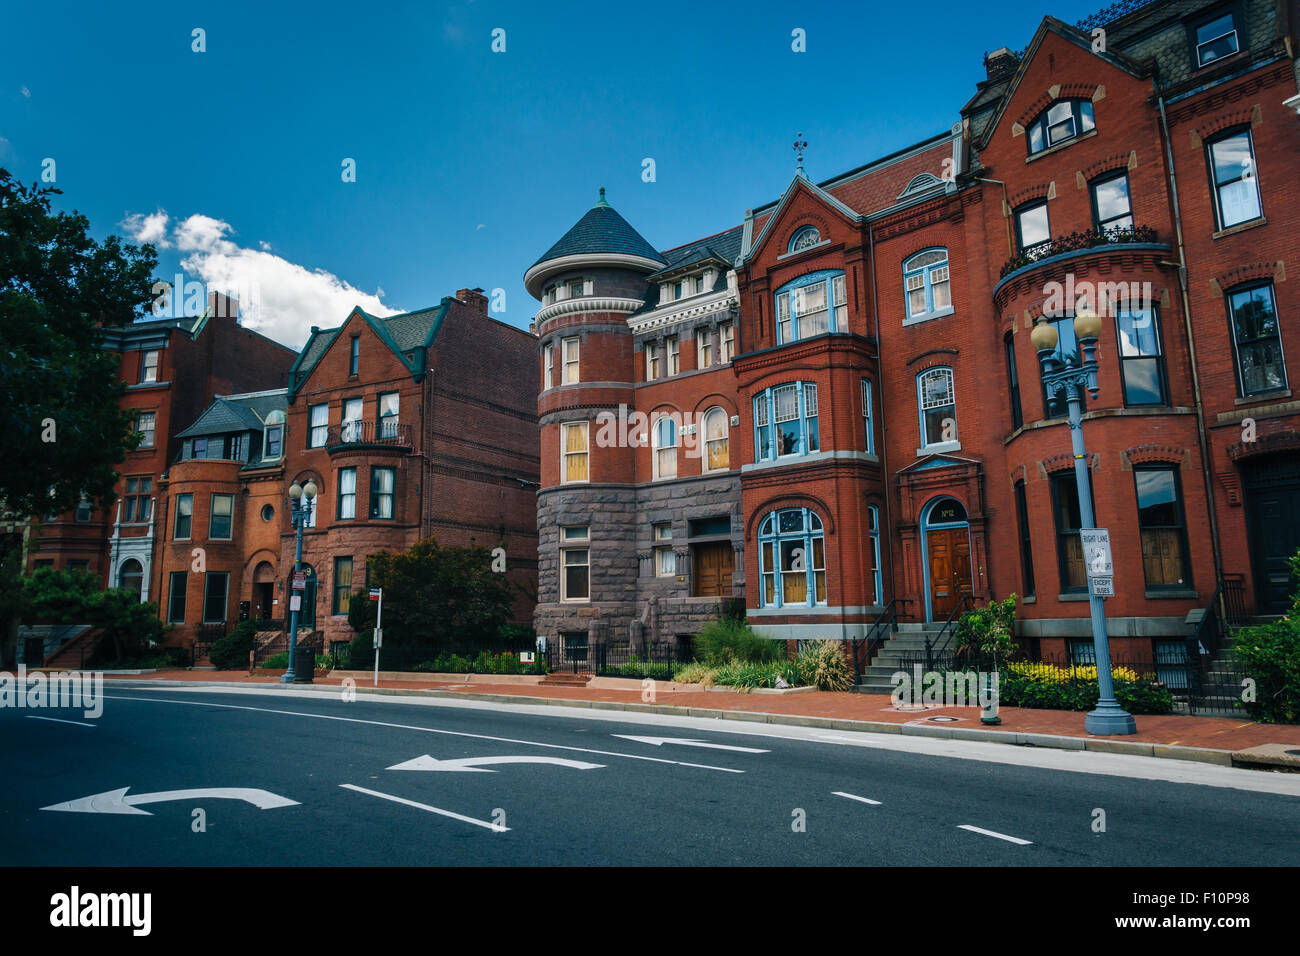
{"x": 469, "y": 163}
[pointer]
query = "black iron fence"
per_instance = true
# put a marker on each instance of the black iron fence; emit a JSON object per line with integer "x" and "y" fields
{"x": 454, "y": 659}
{"x": 578, "y": 655}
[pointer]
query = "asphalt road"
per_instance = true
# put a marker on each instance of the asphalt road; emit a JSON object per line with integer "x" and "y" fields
{"x": 802, "y": 800}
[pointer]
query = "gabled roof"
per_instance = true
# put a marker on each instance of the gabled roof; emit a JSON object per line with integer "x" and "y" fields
{"x": 237, "y": 413}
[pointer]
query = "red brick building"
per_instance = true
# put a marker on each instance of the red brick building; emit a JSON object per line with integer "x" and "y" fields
{"x": 891, "y": 440}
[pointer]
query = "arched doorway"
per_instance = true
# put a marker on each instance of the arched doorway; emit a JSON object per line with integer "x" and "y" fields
{"x": 945, "y": 556}
{"x": 264, "y": 592}
{"x": 131, "y": 577}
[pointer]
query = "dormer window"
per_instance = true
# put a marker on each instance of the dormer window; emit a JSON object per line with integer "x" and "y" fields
{"x": 1063, "y": 120}
{"x": 1215, "y": 40}
{"x": 575, "y": 288}
{"x": 679, "y": 289}
{"x": 273, "y": 436}
{"x": 699, "y": 283}
{"x": 804, "y": 238}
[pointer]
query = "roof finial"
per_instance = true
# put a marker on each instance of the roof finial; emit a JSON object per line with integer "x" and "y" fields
{"x": 800, "y": 144}
{"x": 602, "y": 197}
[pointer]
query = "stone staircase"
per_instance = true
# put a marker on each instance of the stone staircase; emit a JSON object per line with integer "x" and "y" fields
{"x": 905, "y": 640}
{"x": 72, "y": 653}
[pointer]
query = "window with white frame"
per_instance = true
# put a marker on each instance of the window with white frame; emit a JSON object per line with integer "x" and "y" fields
{"x": 1216, "y": 39}
{"x": 548, "y": 365}
{"x": 575, "y": 563}
{"x": 877, "y": 580}
{"x": 652, "y": 368}
{"x": 703, "y": 348}
{"x": 149, "y": 366}
{"x": 1236, "y": 190}
{"x": 570, "y": 347}
{"x": 810, "y": 305}
{"x": 665, "y": 559}
{"x": 866, "y": 417}
{"x": 388, "y": 415}
{"x": 926, "y": 281}
{"x": 717, "y": 454}
{"x": 145, "y": 423}
{"x": 347, "y": 503}
{"x": 785, "y": 421}
{"x": 665, "y": 447}
{"x": 673, "y": 356}
{"x": 1063, "y": 120}
{"x": 938, "y": 407}
{"x": 319, "y": 426}
{"x": 727, "y": 349}
{"x": 573, "y": 456}
{"x": 804, "y": 238}
{"x": 792, "y": 559}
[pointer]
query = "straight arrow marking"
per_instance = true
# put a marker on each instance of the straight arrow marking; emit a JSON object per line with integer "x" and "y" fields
{"x": 116, "y": 801}
{"x": 495, "y": 827}
{"x": 476, "y": 764}
{"x": 688, "y": 742}
{"x": 854, "y": 796}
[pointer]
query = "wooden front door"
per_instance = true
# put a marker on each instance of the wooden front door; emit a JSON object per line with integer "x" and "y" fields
{"x": 713, "y": 566}
{"x": 949, "y": 555}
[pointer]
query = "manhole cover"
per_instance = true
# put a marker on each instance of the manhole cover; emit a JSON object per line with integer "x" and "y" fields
{"x": 943, "y": 720}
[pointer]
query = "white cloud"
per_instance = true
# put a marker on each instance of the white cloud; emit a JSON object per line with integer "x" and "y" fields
{"x": 151, "y": 228}
{"x": 26, "y": 92}
{"x": 278, "y": 298}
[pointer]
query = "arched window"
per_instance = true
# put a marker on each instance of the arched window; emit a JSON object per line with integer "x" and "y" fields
{"x": 785, "y": 421}
{"x": 717, "y": 454}
{"x": 938, "y": 402}
{"x": 131, "y": 577}
{"x": 1064, "y": 119}
{"x": 665, "y": 447}
{"x": 792, "y": 559}
{"x": 926, "y": 283}
{"x": 804, "y": 238}
{"x": 810, "y": 305}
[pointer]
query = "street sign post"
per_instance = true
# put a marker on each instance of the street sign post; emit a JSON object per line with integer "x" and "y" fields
{"x": 377, "y": 594}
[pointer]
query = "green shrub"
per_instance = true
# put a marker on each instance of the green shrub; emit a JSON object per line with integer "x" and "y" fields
{"x": 1270, "y": 655}
{"x": 823, "y": 665}
{"x": 727, "y": 640}
{"x": 1040, "y": 687}
{"x": 746, "y": 675}
{"x": 989, "y": 631}
{"x": 276, "y": 662}
{"x": 639, "y": 668}
{"x": 231, "y": 652}
{"x": 694, "y": 673}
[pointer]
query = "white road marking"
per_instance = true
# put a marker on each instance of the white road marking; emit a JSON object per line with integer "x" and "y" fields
{"x": 854, "y": 796}
{"x": 116, "y": 801}
{"x": 432, "y": 730}
{"x": 476, "y": 764}
{"x": 495, "y": 827}
{"x": 994, "y": 833}
{"x": 685, "y": 741}
{"x": 1128, "y": 766}
{"x": 56, "y": 720}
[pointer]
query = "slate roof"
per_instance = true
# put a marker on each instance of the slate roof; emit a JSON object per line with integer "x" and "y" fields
{"x": 723, "y": 245}
{"x": 410, "y": 329}
{"x": 601, "y": 229}
{"x": 237, "y": 413}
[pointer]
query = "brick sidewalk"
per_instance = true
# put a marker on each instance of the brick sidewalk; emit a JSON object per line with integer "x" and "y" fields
{"x": 1218, "y": 733}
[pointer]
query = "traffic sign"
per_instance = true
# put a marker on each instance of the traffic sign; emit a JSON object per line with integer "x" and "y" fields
{"x": 1102, "y": 587}
{"x": 379, "y": 637}
{"x": 1096, "y": 552}
{"x": 376, "y": 593}
{"x": 299, "y": 580}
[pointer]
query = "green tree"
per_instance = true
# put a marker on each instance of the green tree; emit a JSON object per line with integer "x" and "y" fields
{"x": 74, "y": 597}
{"x": 436, "y": 597}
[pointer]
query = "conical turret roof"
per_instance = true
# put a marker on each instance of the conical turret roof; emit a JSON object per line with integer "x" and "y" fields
{"x": 600, "y": 233}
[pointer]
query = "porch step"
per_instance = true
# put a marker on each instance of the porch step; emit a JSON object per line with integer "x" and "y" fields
{"x": 566, "y": 680}
{"x": 70, "y": 655}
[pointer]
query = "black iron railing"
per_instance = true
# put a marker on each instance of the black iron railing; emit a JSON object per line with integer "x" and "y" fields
{"x": 1073, "y": 242}
{"x": 382, "y": 432}
{"x": 864, "y": 648}
{"x": 938, "y": 646}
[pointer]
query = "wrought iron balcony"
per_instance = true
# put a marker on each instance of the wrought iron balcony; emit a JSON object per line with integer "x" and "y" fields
{"x": 1075, "y": 241}
{"x": 382, "y": 432}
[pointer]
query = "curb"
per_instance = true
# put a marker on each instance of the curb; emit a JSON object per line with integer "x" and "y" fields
{"x": 1208, "y": 755}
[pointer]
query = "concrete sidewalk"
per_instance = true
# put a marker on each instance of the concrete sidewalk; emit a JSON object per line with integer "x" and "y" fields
{"x": 1218, "y": 740}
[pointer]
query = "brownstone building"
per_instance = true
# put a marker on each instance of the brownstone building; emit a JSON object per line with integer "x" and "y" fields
{"x": 891, "y": 445}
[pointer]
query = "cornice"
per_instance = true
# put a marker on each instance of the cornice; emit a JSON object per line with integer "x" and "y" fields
{"x": 708, "y": 305}
{"x": 587, "y": 304}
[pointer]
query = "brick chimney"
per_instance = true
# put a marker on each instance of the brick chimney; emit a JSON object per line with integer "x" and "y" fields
{"x": 474, "y": 298}
{"x": 1001, "y": 62}
{"x": 223, "y": 306}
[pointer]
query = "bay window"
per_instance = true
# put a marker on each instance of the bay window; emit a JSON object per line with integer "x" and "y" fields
{"x": 792, "y": 559}
{"x": 810, "y": 305}
{"x": 785, "y": 421}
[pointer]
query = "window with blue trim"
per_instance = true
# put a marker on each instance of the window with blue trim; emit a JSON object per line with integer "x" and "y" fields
{"x": 810, "y": 305}
{"x": 785, "y": 421}
{"x": 804, "y": 238}
{"x": 866, "y": 417}
{"x": 874, "y": 514}
{"x": 792, "y": 559}
{"x": 926, "y": 282}
{"x": 938, "y": 401}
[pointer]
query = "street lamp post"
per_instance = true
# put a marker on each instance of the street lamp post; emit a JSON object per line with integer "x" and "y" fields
{"x": 301, "y": 500}
{"x": 1059, "y": 375}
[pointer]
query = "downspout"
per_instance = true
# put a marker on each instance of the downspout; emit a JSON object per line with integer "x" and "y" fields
{"x": 884, "y": 461}
{"x": 1006, "y": 212}
{"x": 1191, "y": 343}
